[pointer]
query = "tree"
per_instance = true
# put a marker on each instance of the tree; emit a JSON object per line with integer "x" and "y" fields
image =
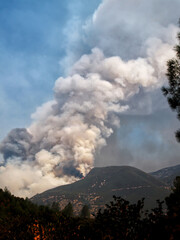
{"x": 85, "y": 213}
{"x": 173, "y": 210}
{"x": 172, "y": 92}
{"x": 173, "y": 201}
{"x": 68, "y": 210}
{"x": 55, "y": 207}
{"x": 120, "y": 220}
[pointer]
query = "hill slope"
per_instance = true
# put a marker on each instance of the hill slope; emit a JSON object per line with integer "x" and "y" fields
{"x": 167, "y": 175}
{"x": 98, "y": 187}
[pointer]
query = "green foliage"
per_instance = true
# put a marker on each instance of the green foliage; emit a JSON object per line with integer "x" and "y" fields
{"x": 85, "y": 212}
{"x": 172, "y": 92}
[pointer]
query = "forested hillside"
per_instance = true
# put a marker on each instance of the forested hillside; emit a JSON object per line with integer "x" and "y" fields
{"x": 21, "y": 219}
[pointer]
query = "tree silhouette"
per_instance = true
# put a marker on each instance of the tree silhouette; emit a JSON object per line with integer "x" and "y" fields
{"x": 55, "y": 206}
{"x": 21, "y": 219}
{"x": 85, "y": 213}
{"x": 173, "y": 200}
{"x": 172, "y": 92}
{"x": 173, "y": 210}
{"x": 68, "y": 210}
{"x": 120, "y": 220}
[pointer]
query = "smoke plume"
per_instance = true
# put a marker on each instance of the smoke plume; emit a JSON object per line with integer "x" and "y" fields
{"x": 127, "y": 57}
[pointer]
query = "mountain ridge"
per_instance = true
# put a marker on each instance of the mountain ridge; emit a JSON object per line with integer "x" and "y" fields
{"x": 167, "y": 174}
{"x": 101, "y": 183}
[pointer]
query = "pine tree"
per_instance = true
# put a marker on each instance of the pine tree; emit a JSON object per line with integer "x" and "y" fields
{"x": 172, "y": 92}
{"x": 85, "y": 213}
{"x": 68, "y": 210}
{"x": 55, "y": 207}
{"x": 173, "y": 201}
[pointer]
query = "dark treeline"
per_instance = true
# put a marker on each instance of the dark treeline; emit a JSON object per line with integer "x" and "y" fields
{"x": 21, "y": 219}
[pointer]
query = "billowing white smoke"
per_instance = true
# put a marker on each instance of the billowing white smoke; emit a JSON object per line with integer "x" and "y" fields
{"x": 59, "y": 145}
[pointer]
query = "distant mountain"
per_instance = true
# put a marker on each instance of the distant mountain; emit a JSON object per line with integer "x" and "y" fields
{"x": 98, "y": 187}
{"x": 167, "y": 175}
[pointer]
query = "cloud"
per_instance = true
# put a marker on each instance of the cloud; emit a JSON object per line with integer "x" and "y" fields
{"x": 118, "y": 77}
{"x": 123, "y": 27}
{"x": 26, "y": 178}
{"x": 17, "y": 144}
{"x": 143, "y": 141}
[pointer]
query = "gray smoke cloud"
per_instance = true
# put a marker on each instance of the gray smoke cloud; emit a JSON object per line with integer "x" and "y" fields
{"x": 123, "y": 28}
{"x": 16, "y": 144}
{"x": 143, "y": 141}
{"x": 128, "y": 61}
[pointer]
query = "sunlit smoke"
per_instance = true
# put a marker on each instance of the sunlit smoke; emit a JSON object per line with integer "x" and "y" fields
{"x": 60, "y": 144}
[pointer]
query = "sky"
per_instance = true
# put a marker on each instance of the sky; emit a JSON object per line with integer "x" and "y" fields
{"x": 81, "y": 87}
{"x": 33, "y": 41}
